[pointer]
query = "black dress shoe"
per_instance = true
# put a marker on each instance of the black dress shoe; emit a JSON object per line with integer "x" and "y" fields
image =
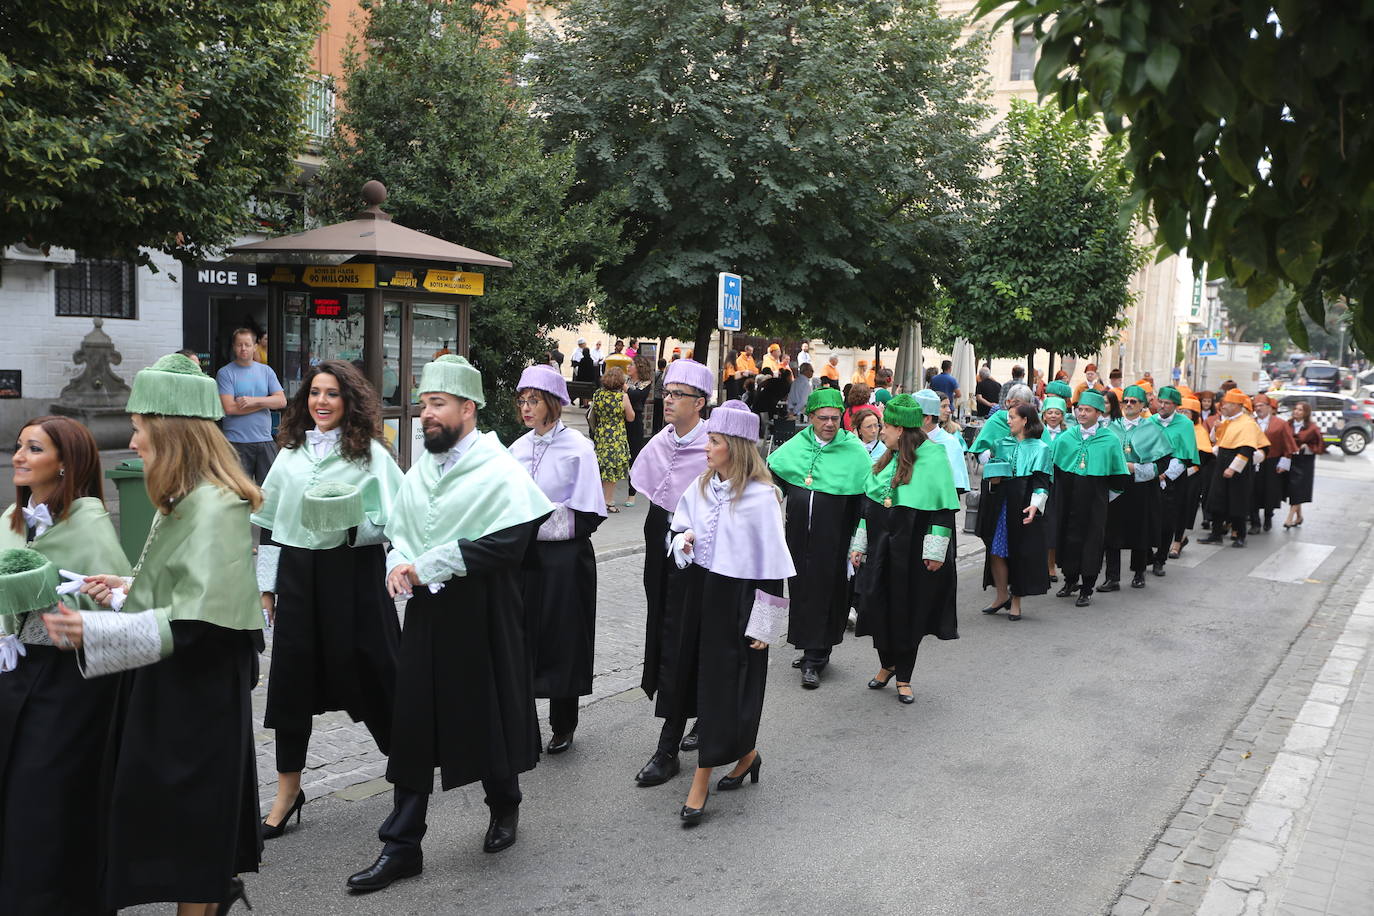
{"x": 1084, "y": 600}
{"x": 501, "y": 831}
{"x": 1004, "y": 606}
{"x": 388, "y": 868}
{"x": 1206, "y": 525}
{"x": 689, "y": 743}
{"x": 660, "y": 768}
{"x": 796, "y": 662}
{"x": 1138, "y": 580}
{"x": 272, "y": 831}
{"x": 560, "y": 743}
{"x": 1111, "y": 585}
{"x": 1068, "y": 589}
{"x": 1053, "y": 579}
{"x": 1238, "y": 542}
{"x": 1158, "y": 569}
{"x": 1268, "y": 524}
{"x": 1254, "y": 528}
{"x": 1215, "y": 537}
{"x": 811, "y": 678}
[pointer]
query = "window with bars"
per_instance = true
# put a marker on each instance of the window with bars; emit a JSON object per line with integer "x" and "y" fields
{"x": 1023, "y": 57}
{"x": 96, "y": 288}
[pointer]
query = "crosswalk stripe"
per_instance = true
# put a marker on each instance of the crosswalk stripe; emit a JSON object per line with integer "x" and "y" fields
{"x": 1294, "y": 562}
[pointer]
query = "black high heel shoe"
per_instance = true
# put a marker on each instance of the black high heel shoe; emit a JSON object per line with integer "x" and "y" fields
{"x": 728, "y": 783}
{"x": 1004, "y": 606}
{"x": 875, "y": 684}
{"x": 237, "y": 892}
{"x": 272, "y": 831}
{"x": 692, "y": 816}
{"x": 907, "y": 698}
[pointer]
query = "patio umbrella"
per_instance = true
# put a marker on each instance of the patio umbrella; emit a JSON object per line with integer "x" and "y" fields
{"x": 907, "y": 374}
{"x": 965, "y": 370}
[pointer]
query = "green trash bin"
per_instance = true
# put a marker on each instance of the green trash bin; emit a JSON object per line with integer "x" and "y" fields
{"x": 135, "y": 508}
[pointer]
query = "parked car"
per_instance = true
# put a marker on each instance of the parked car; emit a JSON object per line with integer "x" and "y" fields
{"x": 1345, "y": 422}
{"x": 1319, "y": 374}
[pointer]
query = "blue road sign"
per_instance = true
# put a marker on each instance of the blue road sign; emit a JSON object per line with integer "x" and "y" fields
{"x": 730, "y": 302}
{"x": 1207, "y": 346}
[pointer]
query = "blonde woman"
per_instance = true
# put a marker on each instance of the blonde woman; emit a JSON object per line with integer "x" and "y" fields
{"x": 611, "y": 410}
{"x": 729, "y": 539}
{"x": 182, "y": 818}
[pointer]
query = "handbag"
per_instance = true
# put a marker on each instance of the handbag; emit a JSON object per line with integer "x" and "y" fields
{"x": 767, "y": 618}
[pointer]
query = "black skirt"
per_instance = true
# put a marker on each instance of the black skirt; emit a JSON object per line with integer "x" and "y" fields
{"x": 1027, "y": 570}
{"x": 54, "y": 726}
{"x": 560, "y": 617}
{"x": 1300, "y": 479}
{"x": 900, "y": 601}
{"x": 819, "y": 527}
{"x": 717, "y": 676}
{"x": 335, "y": 640}
{"x": 182, "y": 814}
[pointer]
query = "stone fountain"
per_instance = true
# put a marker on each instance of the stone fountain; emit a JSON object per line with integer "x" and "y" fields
{"x": 96, "y": 397}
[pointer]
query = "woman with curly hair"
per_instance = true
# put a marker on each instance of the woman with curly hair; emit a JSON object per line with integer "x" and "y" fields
{"x": 323, "y": 588}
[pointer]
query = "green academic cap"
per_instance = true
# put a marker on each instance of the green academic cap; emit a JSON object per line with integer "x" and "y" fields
{"x": 1092, "y": 398}
{"x": 1054, "y": 403}
{"x": 1059, "y": 389}
{"x": 903, "y": 411}
{"x": 331, "y": 506}
{"x": 450, "y": 374}
{"x": 824, "y": 397}
{"x": 174, "y": 386}
{"x": 1135, "y": 391}
{"x": 28, "y": 582}
{"x": 1170, "y": 393}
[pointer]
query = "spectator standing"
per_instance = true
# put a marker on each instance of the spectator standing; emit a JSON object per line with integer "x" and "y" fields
{"x": 1091, "y": 382}
{"x": 658, "y": 395}
{"x": 599, "y": 357}
{"x": 946, "y": 384}
{"x": 249, "y": 391}
{"x": 804, "y": 356}
{"x": 745, "y": 365}
{"x": 261, "y": 354}
{"x": 1018, "y": 377}
{"x": 611, "y": 410}
{"x": 854, "y": 400}
{"x": 618, "y": 359}
{"x": 860, "y": 376}
{"x": 801, "y": 391}
{"x": 830, "y": 372}
{"x": 556, "y": 358}
{"x": 632, "y": 349}
{"x": 639, "y": 389}
{"x": 773, "y": 358}
{"x": 988, "y": 392}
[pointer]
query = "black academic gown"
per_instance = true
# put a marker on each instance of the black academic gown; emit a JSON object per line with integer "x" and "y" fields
{"x": 901, "y": 601}
{"x": 464, "y": 691}
{"x": 559, "y": 596}
{"x": 1027, "y": 572}
{"x": 1080, "y": 509}
{"x": 335, "y": 639}
{"x": 658, "y": 571}
{"x": 818, "y": 530}
{"x": 1135, "y": 517}
{"x": 1229, "y": 498}
{"x": 182, "y": 799}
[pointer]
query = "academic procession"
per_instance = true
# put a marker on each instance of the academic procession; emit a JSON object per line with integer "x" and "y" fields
{"x": 128, "y": 776}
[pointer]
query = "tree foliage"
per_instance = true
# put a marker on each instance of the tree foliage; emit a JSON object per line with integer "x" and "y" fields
{"x": 827, "y": 150}
{"x": 1250, "y": 130}
{"x": 434, "y": 113}
{"x": 147, "y": 123}
{"x": 1051, "y": 268}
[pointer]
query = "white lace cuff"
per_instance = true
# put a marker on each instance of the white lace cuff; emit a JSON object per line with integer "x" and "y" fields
{"x": 269, "y": 557}
{"x": 1238, "y": 463}
{"x": 367, "y": 534}
{"x": 439, "y": 564}
{"x": 121, "y": 642}
{"x": 1285, "y": 463}
{"x": 934, "y": 547}
{"x": 678, "y": 549}
{"x": 1038, "y": 500}
{"x": 859, "y": 542}
{"x": 1144, "y": 471}
{"x": 558, "y": 526}
{"x": 1175, "y": 469}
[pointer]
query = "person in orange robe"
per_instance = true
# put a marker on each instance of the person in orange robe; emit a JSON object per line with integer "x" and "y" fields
{"x": 831, "y": 370}
{"x": 1271, "y": 470}
{"x": 1237, "y": 438}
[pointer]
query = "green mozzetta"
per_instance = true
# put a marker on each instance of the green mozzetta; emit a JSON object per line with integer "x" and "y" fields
{"x": 1099, "y": 455}
{"x": 84, "y": 542}
{"x": 1025, "y": 456}
{"x": 931, "y": 487}
{"x": 994, "y": 429}
{"x": 1182, "y": 439}
{"x": 1143, "y": 442}
{"x": 297, "y": 470}
{"x": 485, "y": 491}
{"x": 197, "y": 564}
{"x": 840, "y": 468}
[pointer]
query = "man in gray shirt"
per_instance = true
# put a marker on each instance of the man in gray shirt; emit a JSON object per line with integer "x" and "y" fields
{"x": 250, "y": 391}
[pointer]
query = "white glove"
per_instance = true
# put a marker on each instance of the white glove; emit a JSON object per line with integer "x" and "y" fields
{"x": 679, "y": 550}
{"x": 10, "y": 651}
{"x": 73, "y": 584}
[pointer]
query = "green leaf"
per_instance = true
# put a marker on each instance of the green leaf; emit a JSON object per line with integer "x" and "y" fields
{"x": 1161, "y": 65}
{"x": 1174, "y": 228}
{"x": 1297, "y": 331}
{"x": 1298, "y": 252}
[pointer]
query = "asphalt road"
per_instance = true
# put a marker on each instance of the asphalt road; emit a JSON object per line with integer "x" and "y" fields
{"x": 1035, "y": 769}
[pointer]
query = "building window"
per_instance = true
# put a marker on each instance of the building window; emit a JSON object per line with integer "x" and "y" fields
{"x": 1023, "y": 58}
{"x": 96, "y": 288}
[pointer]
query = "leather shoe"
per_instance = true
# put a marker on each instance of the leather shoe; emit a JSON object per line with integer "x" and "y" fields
{"x": 1238, "y": 542}
{"x": 560, "y": 743}
{"x": 1254, "y": 528}
{"x": 811, "y": 678}
{"x": 1158, "y": 569}
{"x": 501, "y": 831}
{"x": 1111, "y": 585}
{"x": 660, "y": 768}
{"x": 1216, "y": 538}
{"x": 389, "y": 867}
{"x": 1084, "y": 600}
{"x": 1138, "y": 580}
{"x": 689, "y": 743}
{"x": 1068, "y": 589}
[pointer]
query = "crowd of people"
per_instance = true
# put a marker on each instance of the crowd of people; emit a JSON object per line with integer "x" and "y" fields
{"x": 125, "y": 692}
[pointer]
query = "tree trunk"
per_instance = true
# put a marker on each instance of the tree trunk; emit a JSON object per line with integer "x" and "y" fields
{"x": 706, "y": 325}
{"x": 1030, "y": 371}
{"x": 1049, "y": 373}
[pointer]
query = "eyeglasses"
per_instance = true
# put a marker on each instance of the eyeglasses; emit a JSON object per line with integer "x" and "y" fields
{"x": 826, "y": 419}
{"x": 528, "y": 402}
{"x": 674, "y": 394}
{"x": 1130, "y": 402}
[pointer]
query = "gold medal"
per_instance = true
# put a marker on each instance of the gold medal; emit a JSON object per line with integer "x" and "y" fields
{"x": 1082, "y": 465}
{"x": 887, "y": 503}
{"x": 808, "y": 480}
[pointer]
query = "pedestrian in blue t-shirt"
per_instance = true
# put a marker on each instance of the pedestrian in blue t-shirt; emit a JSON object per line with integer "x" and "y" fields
{"x": 946, "y": 384}
{"x": 249, "y": 391}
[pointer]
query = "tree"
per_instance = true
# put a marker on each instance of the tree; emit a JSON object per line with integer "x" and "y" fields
{"x": 1250, "y": 129}
{"x": 827, "y": 150}
{"x": 148, "y": 124}
{"x": 1264, "y": 323}
{"x": 1051, "y": 268}
{"x": 433, "y": 112}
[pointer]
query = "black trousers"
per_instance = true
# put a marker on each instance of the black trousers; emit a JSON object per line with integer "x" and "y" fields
{"x": 901, "y": 663}
{"x": 563, "y": 715}
{"x": 405, "y": 826}
{"x": 670, "y": 737}
{"x": 816, "y": 658}
{"x": 1140, "y": 558}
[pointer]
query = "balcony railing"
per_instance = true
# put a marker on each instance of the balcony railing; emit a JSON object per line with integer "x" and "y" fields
{"x": 319, "y": 112}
